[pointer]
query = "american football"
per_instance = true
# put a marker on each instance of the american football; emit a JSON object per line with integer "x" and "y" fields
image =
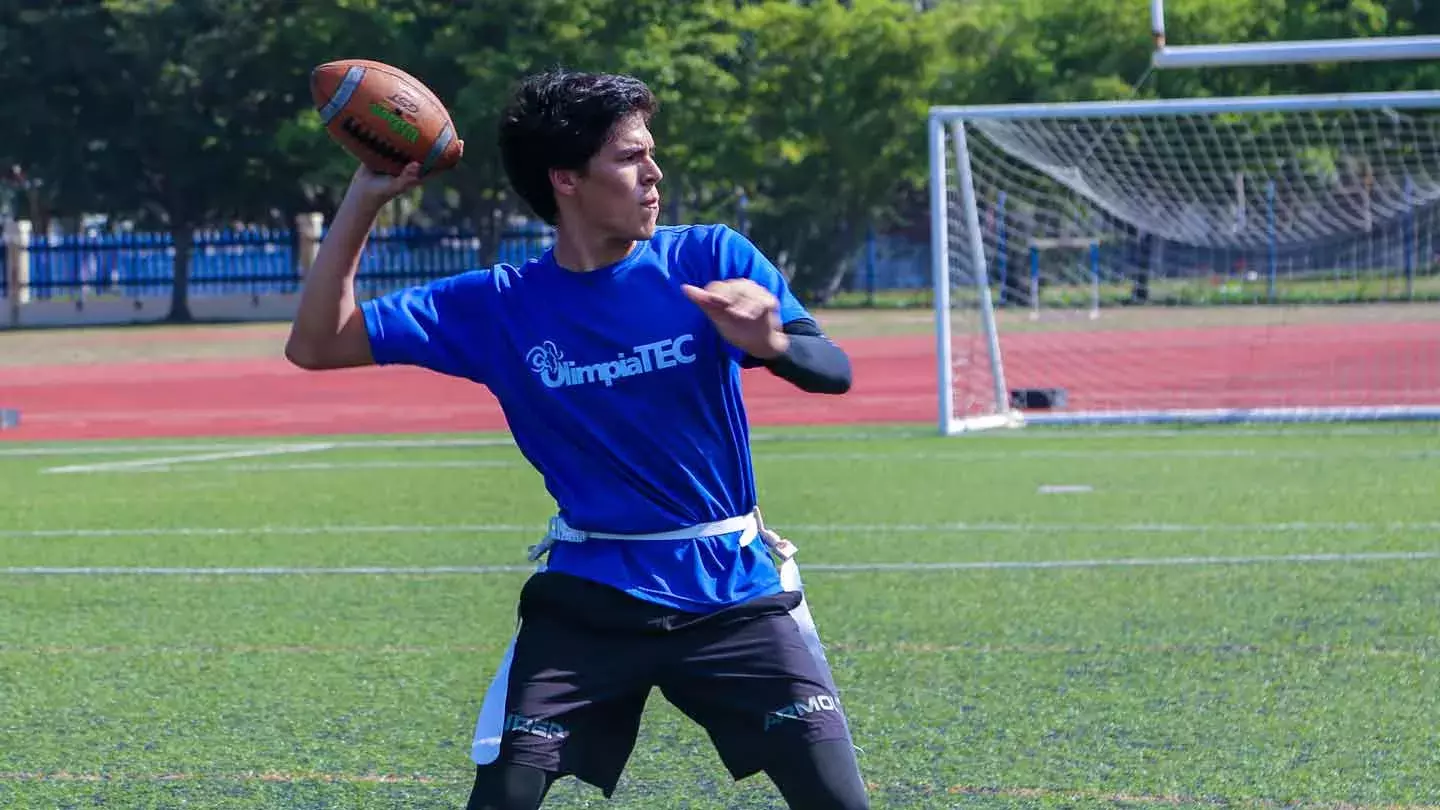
{"x": 384, "y": 116}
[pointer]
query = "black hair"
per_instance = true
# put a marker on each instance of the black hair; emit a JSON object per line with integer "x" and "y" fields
{"x": 559, "y": 120}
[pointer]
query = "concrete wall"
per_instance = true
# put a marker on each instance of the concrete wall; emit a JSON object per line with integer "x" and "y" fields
{"x": 109, "y": 312}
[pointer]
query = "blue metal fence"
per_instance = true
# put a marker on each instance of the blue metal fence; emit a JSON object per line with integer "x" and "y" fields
{"x": 250, "y": 261}
{"x": 260, "y": 261}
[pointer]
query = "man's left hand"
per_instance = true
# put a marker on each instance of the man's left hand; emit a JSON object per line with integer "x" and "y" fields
{"x": 745, "y": 314}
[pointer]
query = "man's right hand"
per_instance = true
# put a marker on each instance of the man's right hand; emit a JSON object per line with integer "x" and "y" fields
{"x": 373, "y": 189}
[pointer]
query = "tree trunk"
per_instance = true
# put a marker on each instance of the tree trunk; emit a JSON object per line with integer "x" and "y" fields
{"x": 184, "y": 240}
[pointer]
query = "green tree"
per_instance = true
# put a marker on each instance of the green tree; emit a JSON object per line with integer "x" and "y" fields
{"x": 838, "y": 98}
{"x": 678, "y": 48}
{"x": 403, "y": 33}
{"x": 1018, "y": 51}
{"x": 165, "y": 112}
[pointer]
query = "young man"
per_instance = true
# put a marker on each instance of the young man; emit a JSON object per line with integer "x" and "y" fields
{"x": 616, "y": 358}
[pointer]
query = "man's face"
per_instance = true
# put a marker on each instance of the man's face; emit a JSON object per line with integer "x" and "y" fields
{"x": 616, "y": 196}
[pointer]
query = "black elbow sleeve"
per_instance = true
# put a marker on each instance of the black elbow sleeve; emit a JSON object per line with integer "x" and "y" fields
{"x": 811, "y": 363}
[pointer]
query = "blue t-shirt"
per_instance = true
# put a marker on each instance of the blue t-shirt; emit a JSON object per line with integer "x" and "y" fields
{"x": 621, "y": 393}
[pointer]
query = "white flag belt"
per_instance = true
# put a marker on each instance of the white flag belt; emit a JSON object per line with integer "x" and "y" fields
{"x": 562, "y": 532}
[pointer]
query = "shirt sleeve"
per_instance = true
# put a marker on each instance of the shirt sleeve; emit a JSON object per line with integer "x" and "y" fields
{"x": 438, "y": 326}
{"x": 737, "y": 257}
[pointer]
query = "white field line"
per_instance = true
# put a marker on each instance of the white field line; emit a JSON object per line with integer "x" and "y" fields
{"x": 98, "y": 449}
{"x": 872, "y": 567}
{"x": 167, "y": 461}
{"x": 1065, "y": 489}
{"x": 280, "y": 777}
{"x": 370, "y": 465}
{"x": 797, "y": 529}
{"x": 309, "y": 466}
{"x": 960, "y": 455}
{"x": 1234, "y": 648}
{"x": 1046, "y": 432}
{"x": 258, "y": 531}
{"x": 964, "y": 456}
{"x": 1033, "y": 795}
{"x": 112, "y": 449}
{"x": 1036, "y": 433}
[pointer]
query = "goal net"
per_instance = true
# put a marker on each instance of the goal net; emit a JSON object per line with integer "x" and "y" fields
{"x": 1241, "y": 259}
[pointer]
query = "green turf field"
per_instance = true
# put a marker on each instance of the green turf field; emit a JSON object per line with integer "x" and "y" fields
{"x": 1225, "y": 618}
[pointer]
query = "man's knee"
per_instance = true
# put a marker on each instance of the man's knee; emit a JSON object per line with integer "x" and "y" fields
{"x": 838, "y": 793}
{"x": 834, "y": 797}
{"x": 843, "y": 794}
{"x": 823, "y": 777}
{"x": 508, "y": 787}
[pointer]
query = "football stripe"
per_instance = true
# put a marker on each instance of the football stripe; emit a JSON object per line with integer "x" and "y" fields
{"x": 438, "y": 148}
{"x": 342, "y": 94}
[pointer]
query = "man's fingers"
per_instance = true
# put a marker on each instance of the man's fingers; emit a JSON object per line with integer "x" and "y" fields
{"x": 746, "y": 310}
{"x": 713, "y": 303}
{"x": 409, "y": 177}
{"x": 704, "y": 298}
{"x": 732, "y": 299}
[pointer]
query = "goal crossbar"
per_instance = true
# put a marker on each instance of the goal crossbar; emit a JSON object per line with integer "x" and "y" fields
{"x": 1298, "y": 52}
{"x": 1398, "y": 100}
{"x": 1382, "y": 48}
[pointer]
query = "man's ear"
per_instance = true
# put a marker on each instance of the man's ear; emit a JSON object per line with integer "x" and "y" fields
{"x": 564, "y": 181}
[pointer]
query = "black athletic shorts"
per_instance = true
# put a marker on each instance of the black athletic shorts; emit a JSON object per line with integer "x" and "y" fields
{"x": 587, "y": 656}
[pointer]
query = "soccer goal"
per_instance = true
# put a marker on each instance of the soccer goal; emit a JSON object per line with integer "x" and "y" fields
{"x": 1218, "y": 259}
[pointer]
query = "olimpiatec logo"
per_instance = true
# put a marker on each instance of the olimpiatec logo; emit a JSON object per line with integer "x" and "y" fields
{"x": 548, "y": 361}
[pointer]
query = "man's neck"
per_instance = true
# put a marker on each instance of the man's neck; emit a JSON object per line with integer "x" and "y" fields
{"x": 581, "y": 255}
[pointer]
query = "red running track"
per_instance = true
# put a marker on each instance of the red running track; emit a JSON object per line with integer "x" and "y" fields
{"x": 268, "y": 397}
{"x": 1321, "y": 365}
{"x": 1318, "y": 365}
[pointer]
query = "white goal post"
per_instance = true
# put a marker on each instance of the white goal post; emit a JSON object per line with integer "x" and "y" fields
{"x": 1187, "y": 260}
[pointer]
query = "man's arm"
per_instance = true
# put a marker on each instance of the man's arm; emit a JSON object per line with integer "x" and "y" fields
{"x": 329, "y": 329}
{"x": 809, "y": 361}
